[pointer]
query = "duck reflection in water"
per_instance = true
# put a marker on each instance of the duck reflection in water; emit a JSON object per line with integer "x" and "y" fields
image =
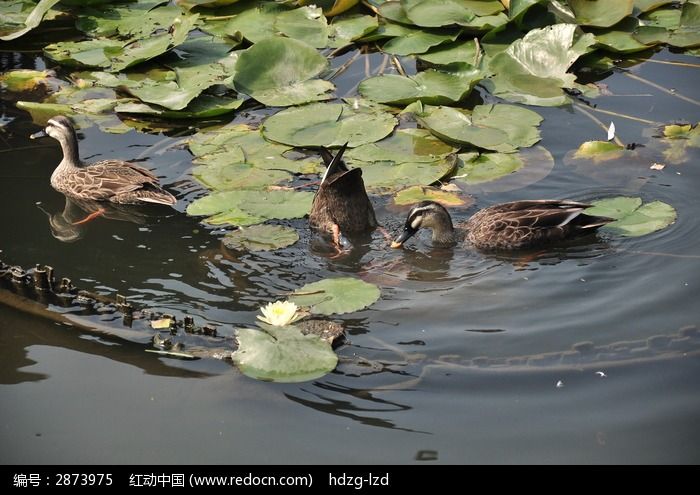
{"x": 69, "y": 224}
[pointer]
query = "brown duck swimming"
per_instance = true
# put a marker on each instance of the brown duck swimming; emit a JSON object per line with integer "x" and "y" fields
{"x": 507, "y": 226}
{"x": 116, "y": 181}
{"x": 341, "y": 204}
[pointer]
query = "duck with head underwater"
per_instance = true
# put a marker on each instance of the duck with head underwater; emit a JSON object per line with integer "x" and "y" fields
{"x": 341, "y": 204}
{"x": 508, "y": 226}
{"x": 115, "y": 181}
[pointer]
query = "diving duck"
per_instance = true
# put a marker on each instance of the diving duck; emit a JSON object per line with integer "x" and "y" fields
{"x": 116, "y": 181}
{"x": 507, "y": 226}
{"x": 341, "y": 204}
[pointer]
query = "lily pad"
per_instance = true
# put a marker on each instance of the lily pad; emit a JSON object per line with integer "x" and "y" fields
{"x": 307, "y": 24}
{"x": 261, "y": 238}
{"x": 599, "y": 151}
{"x": 497, "y": 127}
{"x": 116, "y": 55}
{"x": 227, "y": 177}
{"x": 286, "y": 77}
{"x": 23, "y": 79}
{"x": 633, "y": 218}
{"x": 620, "y": 38}
{"x": 489, "y": 172}
{"x": 329, "y": 124}
{"x": 282, "y": 354}
{"x": 600, "y": 14}
{"x": 240, "y": 143}
{"x": 448, "y": 53}
{"x": 245, "y": 207}
{"x": 19, "y": 17}
{"x": 431, "y": 86}
{"x": 331, "y": 7}
{"x": 677, "y": 27}
{"x": 415, "y": 41}
{"x": 533, "y": 69}
{"x": 203, "y": 106}
{"x": 336, "y": 295}
{"x": 345, "y": 30}
{"x": 468, "y": 13}
{"x": 416, "y": 194}
{"x": 676, "y": 141}
{"x": 404, "y": 146}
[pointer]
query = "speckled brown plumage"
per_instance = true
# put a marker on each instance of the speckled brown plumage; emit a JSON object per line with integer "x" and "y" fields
{"x": 341, "y": 199}
{"x": 506, "y": 226}
{"x": 116, "y": 181}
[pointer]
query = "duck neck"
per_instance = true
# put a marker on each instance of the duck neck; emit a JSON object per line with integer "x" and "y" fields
{"x": 443, "y": 235}
{"x": 69, "y": 146}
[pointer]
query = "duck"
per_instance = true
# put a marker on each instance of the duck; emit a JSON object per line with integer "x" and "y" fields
{"x": 115, "y": 181}
{"x": 509, "y": 226}
{"x": 341, "y": 205}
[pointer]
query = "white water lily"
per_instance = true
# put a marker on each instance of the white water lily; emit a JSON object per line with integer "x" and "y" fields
{"x": 280, "y": 313}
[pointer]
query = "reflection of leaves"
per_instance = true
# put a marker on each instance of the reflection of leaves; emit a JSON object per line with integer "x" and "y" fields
{"x": 261, "y": 238}
{"x": 282, "y": 354}
{"x": 599, "y": 151}
{"x": 336, "y": 295}
{"x": 633, "y": 218}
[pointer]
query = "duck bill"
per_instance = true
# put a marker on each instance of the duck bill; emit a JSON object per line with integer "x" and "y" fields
{"x": 405, "y": 235}
{"x": 37, "y": 135}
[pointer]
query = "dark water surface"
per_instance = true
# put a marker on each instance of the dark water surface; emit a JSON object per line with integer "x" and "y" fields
{"x": 464, "y": 358}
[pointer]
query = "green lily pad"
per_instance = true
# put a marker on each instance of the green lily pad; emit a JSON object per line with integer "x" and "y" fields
{"x": 676, "y": 27}
{"x": 431, "y": 86}
{"x": 23, "y": 79}
{"x": 448, "y": 53}
{"x": 468, "y": 13}
{"x": 246, "y": 207}
{"x": 387, "y": 177}
{"x": 600, "y": 14}
{"x": 488, "y": 172}
{"x": 620, "y": 38}
{"x": 403, "y": 146}
{"x": 336, "y": 295}
{"x": 286, "y": 76}
{"x": 254, "y": 23}
{"x": 331, "y": 7}
{"x": 116, "y": 55}
{"x": 136, "y": 20}
{"x": 599, "y": 151}
{"x": 633, "y": 218}
{"x": 498, "y": 127}
{"x": 416, "y": 194}
{"x": 190, "y": 4}
{"x": 240, "y": 143}
{"x": 203, "y": 106}
{"x": 19, "y": 17}
{"x": 414, "y": 41}
{"x": 261, "y": 238}
{"x": 227, "y": 177}
{"x": 677, "y": 139}
{"x": 345, "y": 30}
{"x": 307, "y": 24}
{"x": 282, "y": 354}
{"x": 538, "y": 80}
{"x": 328, "y": 124}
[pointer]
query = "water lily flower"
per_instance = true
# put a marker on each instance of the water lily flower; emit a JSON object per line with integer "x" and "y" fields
{"x": 280, "y": 313}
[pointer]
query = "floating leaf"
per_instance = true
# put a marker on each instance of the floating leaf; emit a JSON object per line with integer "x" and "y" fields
{"x": 261, "y": 238}
{"x": 239, "y": 143}
{"x": 448, "y": 53}
{"x": 336, "y": 295}
{"x": 286, "y": 76}
{"x": 118, "y": 55}
{"x": 345, "y": 30}
{"x": 404, "y": 146}
{"x": 677, "y": 27}
{"x": 498, "y": 172}
{"x": 23, "y": 79}
{"x": 632, "y": 218}
{"x": 538, "y": 80}
{"x": 416, "y": 194}
{"x": 227, "y": 177}
{"x": 620, "y": 38}
{"x": 417, "y": 41}
{"x": 282, "y": 354}
{"x": 18, "y": 17}
{"x": 244, "y": 207}
{"x": 203, "y": 106}
{"x": 331, "y": 7}
{"x": 429, "y": 13}
{"x": 676, "y": 141}
{"x": 328, "y": 124}
{"x": 307, "y": 24}
{"x": 499, "y": 127}
{"x": 599, "y": 151}
{"x": 431, "y": 86}
{"x": 600, "y": 14}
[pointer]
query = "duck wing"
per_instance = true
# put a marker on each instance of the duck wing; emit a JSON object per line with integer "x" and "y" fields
{"x": 110, "y": 178}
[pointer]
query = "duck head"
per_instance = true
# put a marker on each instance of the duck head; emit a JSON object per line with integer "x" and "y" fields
{"x": 427, "y": 215}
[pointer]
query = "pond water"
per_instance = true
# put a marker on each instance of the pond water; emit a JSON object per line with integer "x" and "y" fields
{"x": 460, "y": 360}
